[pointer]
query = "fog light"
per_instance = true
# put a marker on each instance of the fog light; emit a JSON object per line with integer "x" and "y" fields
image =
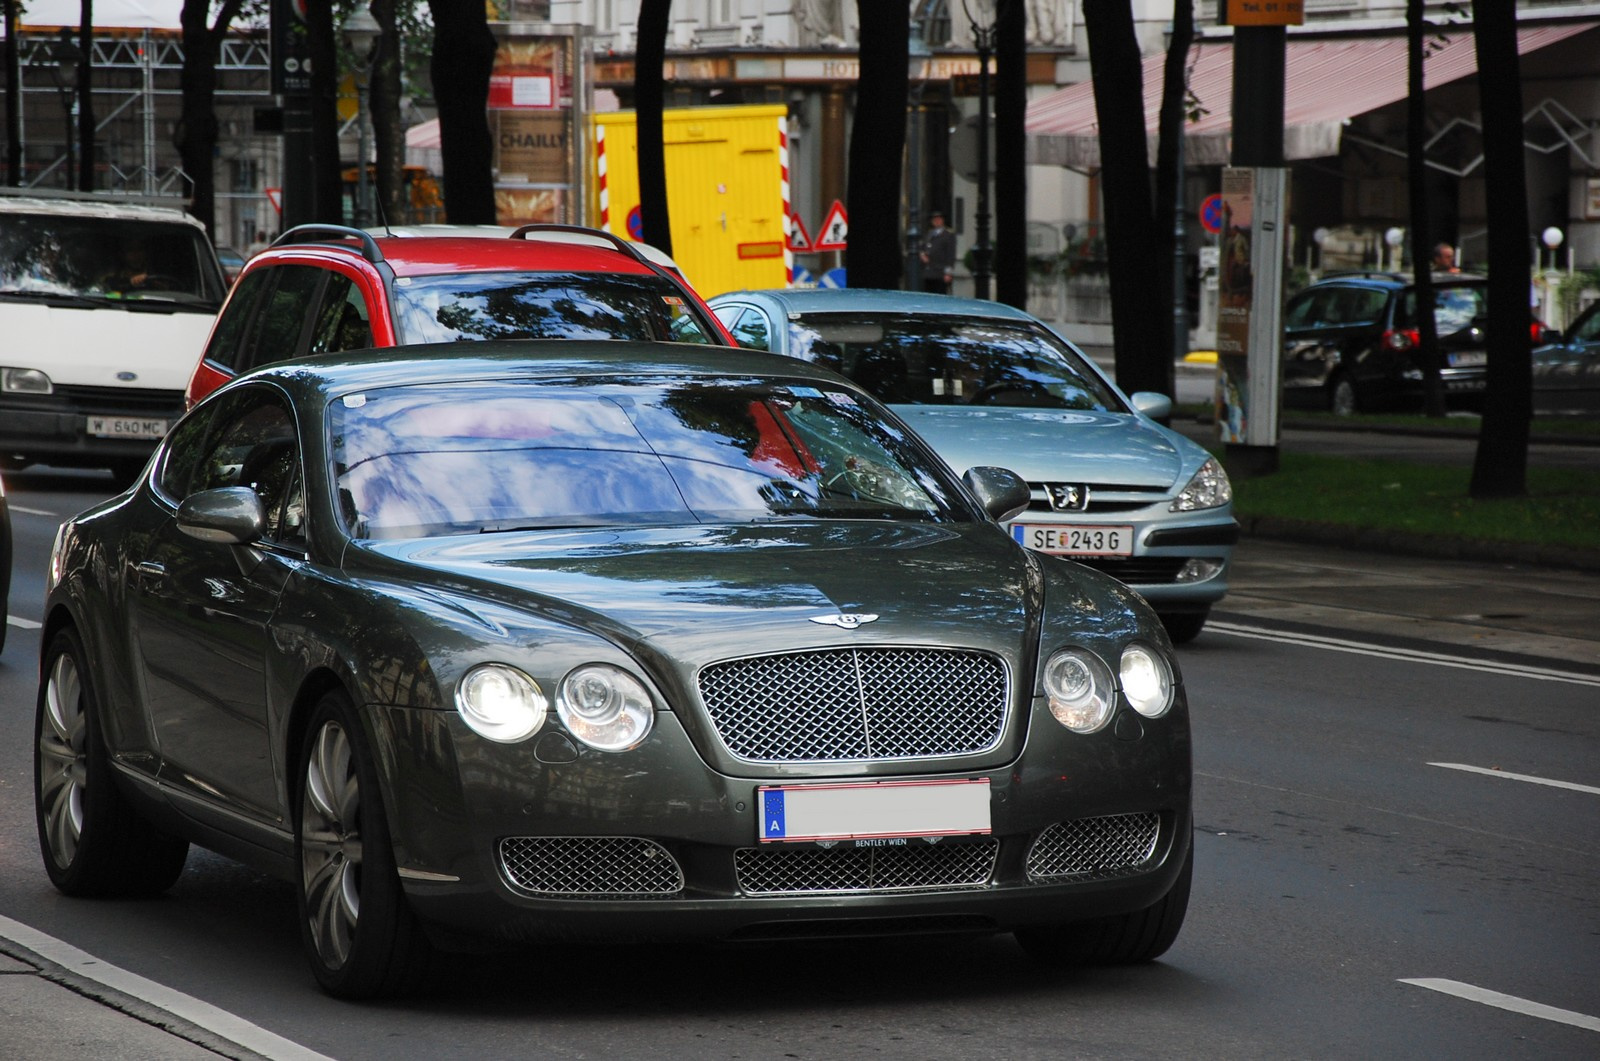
{"x": 1199, "y": 570}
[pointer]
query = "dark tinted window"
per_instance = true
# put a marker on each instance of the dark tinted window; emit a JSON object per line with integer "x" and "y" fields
{"x": 471, "y": 306}
{"x": 281, "y": 321}
{"x": 752, "y": 330}
{"x": 943, "y": 360}
{"x": 227, "y": 340}
{"x": 242, "y": 439}
{"x": 341, "y": 323}
{"x": 108, "y": 258}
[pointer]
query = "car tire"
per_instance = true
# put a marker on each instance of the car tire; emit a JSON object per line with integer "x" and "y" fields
{"x": 1126, "y": 939}
{"x": 1183, "y": 627}
{"x": 94, "y": 843}
{"x": 359, "y": 933}
{"x": 1342, "y": 395}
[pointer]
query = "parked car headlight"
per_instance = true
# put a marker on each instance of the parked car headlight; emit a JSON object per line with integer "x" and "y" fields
{"x": 25, "y": 381}
{"x": 1209, "y": 488}
{"x": 605, "y": 707}
{"x": 1146, "y": 681}
{"x": 501, "y": 703}
{"x": 1080, "y": 689}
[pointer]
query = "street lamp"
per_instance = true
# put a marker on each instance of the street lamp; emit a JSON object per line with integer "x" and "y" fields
{"x": 1552, "y": 238}
{"x": 983, "y": 42}
{"x": 361, "y": 34}
{"x": 917, "y": 56}
{"x": 66, "y": 57}
{"x": 1394, "y": 237}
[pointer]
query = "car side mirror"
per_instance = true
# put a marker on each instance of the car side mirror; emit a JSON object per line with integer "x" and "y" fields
{"x": 229, "y": 515}
{"x": 1002, "y": 492}
{"x": 1155, "y": 406}
{"x": 1548, "y": 336}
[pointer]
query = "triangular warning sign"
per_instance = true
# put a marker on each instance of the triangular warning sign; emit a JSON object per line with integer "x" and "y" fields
{"x": 799, "y": 239}
{"x": 834, "y": 231}
{"x": 275, "y": 198}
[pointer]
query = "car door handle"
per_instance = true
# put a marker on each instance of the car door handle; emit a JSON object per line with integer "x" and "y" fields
{"x": 149, "y": 571}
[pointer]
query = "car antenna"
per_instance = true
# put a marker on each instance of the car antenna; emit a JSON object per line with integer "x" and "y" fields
{"x": 383, "y": 215}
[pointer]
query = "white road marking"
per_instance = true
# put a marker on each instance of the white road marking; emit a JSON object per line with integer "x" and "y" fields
{"x": 203, "y": 1015}
{"x": 1518, "y": 777}
{"x": 33, "y": 511}
{"x": 1510, "y": 1002}
{"x": 26, "y": 624}
{"x": 1410, "y": 655}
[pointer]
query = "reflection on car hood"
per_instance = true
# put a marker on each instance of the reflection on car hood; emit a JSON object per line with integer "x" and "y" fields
{"x": 701, "y": 593}
{"x": 1044, "y": 445}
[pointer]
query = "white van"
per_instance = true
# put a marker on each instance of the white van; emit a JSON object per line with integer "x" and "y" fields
{"x": 104, "y": 306}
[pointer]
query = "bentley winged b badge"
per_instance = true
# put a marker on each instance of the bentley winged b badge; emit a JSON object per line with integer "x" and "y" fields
{"x": 845, "y": 620}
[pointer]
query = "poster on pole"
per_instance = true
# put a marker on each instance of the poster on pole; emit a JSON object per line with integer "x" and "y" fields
{"x": 1235, "y": 283}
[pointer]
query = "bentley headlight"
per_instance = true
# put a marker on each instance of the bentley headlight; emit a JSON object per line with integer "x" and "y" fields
{"x": 605, "y": 707}
{"x": 501, "y": 703}
{"x": 1208, "y": 489}
{"x": 1080, "y": 690}
{"x": 1146, "y": 681}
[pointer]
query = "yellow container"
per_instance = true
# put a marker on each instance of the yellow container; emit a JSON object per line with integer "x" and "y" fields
{"x": 727, "y": 191}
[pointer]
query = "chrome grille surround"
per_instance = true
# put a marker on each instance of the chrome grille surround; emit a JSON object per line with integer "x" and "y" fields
{"x": 847, "y": 869}
{"x": 590, "y": 867}
{"x": 1115, "y": 845}
{"x": 865, "y": 704}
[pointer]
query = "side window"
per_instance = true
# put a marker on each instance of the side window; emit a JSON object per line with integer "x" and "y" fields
{"x": 227, "y": 340}
{"x": 281, "y": 323}
{"x": 342, "y": 322}
{"x": 727, "y": 314}
{"x": 1356, "y": 305}
{"x": 1589, "y": 330}
{"x": 753, "y": 331}
{"x": 243, "y": 439}
{"x": 1298, "y": 315}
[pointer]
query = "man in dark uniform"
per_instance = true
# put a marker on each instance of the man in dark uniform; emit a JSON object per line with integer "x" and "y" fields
{"x": 938, "y": 256}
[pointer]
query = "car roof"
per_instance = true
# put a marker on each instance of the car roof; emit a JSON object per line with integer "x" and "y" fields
{"x": 427, "y": 250}
{"x": 89, "y": 204}
{"x": 343, "y": 373}
{"x": 596, "y": 239}
{"x": 1393, "y": 281}
{"x": 869, "y": 300}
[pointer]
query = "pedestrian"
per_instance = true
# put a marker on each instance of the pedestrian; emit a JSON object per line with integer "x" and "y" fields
{"x": 257, "y": 245}
{"x": 1444, "y": 259}
{"x": 938, "y": 256}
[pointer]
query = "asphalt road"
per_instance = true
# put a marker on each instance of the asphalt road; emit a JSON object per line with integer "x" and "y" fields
{"x": 1398, "y": 848}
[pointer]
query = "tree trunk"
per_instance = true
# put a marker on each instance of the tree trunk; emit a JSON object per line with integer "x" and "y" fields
{"x": 1011, "y": 154}
{"x": 388, "y": 138}
{"x": 327, "y": 168}
{"x": 1131, "y": 243}
{"x": 877, "y": 147}
{"x": 649, "y": 102}
{"x": 13, "y": 98}
{"x": 1500, "y": 468}
{"x": 1169, "y": 186}
{"x": 1417, "y": 179}
{"x": 463, "y": 59}
{"x": 197, "y": 126}
{"x": 86, "y": 122}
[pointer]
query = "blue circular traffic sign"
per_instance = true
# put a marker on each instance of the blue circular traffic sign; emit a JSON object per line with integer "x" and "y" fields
{"x": 1211, "y": 214}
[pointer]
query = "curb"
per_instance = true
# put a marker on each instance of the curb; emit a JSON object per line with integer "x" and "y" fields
{"x": 1382, "y": 540}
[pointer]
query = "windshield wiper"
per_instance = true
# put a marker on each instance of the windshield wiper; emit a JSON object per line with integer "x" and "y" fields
{"x": 54, "y": 298}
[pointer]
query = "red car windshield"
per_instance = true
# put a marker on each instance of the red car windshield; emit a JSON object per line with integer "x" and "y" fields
{"x": 457, "y": 307}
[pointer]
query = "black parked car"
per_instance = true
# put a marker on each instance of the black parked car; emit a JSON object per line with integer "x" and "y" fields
{"x": 1566, "y": 373}
{"x": 567, "y": 639}
{"x": 1351, "y": 342}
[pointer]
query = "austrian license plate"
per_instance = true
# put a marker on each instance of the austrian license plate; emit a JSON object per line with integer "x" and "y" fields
{"x": 126, "y": 427}
{"x": 873, "y": 809}
{"x": 1064, "y": 539}
{"x": 1469, "y": 358}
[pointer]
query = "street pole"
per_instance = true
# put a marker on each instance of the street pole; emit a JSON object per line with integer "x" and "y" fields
{"x": 918, "y": 52}
{"x": 363, "y": 179}
{"x": 1180, "y": 257}
{"x": 982, "y": 252}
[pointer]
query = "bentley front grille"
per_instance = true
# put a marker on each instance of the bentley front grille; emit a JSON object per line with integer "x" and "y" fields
{"x": 590, "y": 867}
{"x": 918, "y": 866}
{"x": 842, "y": 705}
{"x": 1111, "y": 846}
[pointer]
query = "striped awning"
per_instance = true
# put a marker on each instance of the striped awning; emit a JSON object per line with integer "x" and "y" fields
{"x": 1326, "y": 83}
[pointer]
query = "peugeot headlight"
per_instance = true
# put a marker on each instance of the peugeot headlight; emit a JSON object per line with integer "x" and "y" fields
{"x": 605, "y": 707}
{"x": 1146, "y": 680}
{"x": 25, "y": 381}
{"x": 501, "y": 703}
{"x": 1079, "y": 688}
{"x": 1208, "y": 489}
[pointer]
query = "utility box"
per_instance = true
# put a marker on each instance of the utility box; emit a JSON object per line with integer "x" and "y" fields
{"x": 727, "y": 191}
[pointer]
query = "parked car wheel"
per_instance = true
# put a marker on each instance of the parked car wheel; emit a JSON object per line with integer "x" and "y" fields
{"x": 1183, "y": 627}
{"x": 1128, "y": 939}
{"x": 93, "y": 842}
{"x": 1342, "y": 395}
{"x": 360, "y": 935}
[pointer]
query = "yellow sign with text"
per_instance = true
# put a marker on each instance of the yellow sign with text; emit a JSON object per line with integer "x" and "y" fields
{"x": 1263, "y": 13}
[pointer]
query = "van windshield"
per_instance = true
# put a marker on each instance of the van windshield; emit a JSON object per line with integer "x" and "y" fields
{"x": 105, "y": 258}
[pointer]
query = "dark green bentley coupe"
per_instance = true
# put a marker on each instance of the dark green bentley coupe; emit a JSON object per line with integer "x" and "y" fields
{"x": 602, "y": 640}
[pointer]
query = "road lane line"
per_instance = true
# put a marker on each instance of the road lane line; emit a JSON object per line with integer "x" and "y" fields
{"x": 79, "y": 964}
{"x": 1518, "y": 777}
{"x": 26, "y": 624}
{"x": 33, "y": 511}
{"x": 1410, "y": 655}
{"x": 1510, "y": 1002}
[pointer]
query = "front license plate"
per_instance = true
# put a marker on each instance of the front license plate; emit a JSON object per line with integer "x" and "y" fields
{"x": 866, "y": 810}
{"x": 126, "y": 427}
{"x": 1067, "y": 540}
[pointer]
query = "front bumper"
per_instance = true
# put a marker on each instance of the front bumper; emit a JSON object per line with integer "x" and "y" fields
{"x": 87, "y": 426}
{"x": 1082, "y": 826}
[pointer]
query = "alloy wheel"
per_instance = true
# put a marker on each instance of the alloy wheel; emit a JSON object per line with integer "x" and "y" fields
{"x": 63, "y": 759}
{"x": 330, "y": 845}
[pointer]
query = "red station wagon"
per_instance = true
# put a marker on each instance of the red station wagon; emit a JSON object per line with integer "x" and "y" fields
{"x": 321, "y": 289}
